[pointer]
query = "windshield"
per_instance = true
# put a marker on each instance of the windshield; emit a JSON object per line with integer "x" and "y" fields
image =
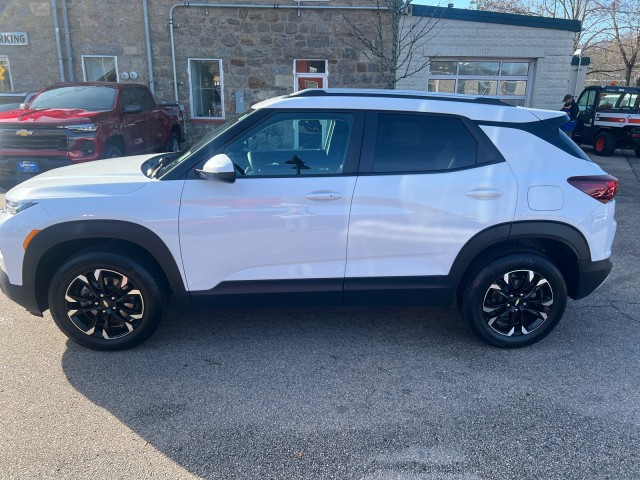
{"x": 87, "y": 97}
{"x": 203, "y": 142}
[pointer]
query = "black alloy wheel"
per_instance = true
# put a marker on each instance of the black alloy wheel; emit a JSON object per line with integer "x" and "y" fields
{"x": 515, "y": 300}
{"x": 106, "y": 301}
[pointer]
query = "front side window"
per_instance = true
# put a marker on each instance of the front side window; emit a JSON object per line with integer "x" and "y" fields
{"x": 207, "y": 88}
{"x": 5, "y": 75}
{"x": 294, "y": 144}
{"x": 422, "y": 143}
{"x": 98, "y": 68}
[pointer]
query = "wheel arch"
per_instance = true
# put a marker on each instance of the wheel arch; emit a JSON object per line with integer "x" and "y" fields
{"x": 118, "y": 141}
{"x": 53, "y": 245}
{"x": 563, "y": 244}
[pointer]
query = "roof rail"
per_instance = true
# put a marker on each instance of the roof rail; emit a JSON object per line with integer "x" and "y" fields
{"x": 414, "y": 95}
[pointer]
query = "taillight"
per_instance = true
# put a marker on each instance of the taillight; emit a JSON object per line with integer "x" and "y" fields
{"x": 601, "y": 187}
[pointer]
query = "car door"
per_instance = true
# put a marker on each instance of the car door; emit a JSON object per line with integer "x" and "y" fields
{"x": 133, "y": 123}
{"x": 427, "y": 185}
{"x": 585, "y": 123}
{"x": 153, "y": 131}
{"x": 282, "y": 225}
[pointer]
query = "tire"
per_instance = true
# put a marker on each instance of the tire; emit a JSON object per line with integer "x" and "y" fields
{"x": 525, "y": 290}
{"x": 173, "y": 144}
{"x": 113, "y": 151}
{"x": 118, "y": 302}
{"x": 604, "y": 144}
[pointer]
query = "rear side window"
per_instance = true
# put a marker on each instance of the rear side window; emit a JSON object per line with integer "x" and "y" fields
{"x": 422, "y": 143}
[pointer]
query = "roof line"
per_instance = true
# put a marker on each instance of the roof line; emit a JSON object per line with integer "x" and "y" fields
{"x": 482, "y": 16}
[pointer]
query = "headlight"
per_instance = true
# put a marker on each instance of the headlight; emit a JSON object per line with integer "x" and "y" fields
{"x": 16, "y": 207}
{"x": 81, "y": 127}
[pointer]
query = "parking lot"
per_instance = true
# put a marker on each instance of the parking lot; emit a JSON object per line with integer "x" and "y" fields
{"x": 354, "y": 392}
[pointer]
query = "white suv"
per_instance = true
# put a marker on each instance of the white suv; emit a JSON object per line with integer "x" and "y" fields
{"x": 324, "y": 196}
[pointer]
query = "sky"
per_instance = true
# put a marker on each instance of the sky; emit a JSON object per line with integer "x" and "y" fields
{"x": 456, "y": 3}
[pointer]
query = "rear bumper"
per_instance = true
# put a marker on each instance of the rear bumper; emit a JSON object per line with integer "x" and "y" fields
{"x": 19, "y": 294}
{"x": 591, "y": 276}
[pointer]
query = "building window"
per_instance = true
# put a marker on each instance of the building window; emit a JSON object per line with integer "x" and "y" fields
{"x": 206, "y": 88}
{"x": 5, "y": 75}
{"x": 97, "y": 68}
{"x": 310, "y": 74}
{"x": 506, "y": 80}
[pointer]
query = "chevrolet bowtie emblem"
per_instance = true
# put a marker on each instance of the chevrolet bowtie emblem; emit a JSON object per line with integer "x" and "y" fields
{"x": 24, "y": 133}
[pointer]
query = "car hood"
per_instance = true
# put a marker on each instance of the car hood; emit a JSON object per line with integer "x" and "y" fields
{"x": 115, "y": 176}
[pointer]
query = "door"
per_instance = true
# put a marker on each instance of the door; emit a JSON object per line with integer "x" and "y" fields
{"x": 134, "y": 125}
{"x": 585, "y": 123}
{"x": 154, "y": 131}
{"x": 283, "y": 223}
{"x": 428, "y": 184}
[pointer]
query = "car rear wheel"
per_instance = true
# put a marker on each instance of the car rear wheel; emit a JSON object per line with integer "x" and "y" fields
{"x": 605, "y": 144}
{"x": 514, "y": 301}
{"x": 106, "y": 301}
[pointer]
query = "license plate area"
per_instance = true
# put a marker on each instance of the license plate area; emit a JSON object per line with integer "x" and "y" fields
{"x": 27, "y": 166}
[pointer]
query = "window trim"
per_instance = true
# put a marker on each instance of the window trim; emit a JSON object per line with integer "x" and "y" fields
{"x": 191, "y": 109}
{"x": 84, "y": 71}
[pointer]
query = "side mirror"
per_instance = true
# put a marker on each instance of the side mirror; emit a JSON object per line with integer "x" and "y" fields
{"x": 132, "y": 109}
{"x": 219, "y": 167}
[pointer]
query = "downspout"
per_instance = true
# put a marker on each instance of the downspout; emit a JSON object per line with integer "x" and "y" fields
{"x": 147, "y": 37}
{"x": 246, "y": 5}
{"x": 56, "y": 30}
{"x": 67, "y": 38}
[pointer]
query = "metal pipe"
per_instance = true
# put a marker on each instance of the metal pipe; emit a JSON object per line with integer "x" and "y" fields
{"x": 56, "y": 29}
{"x": 67, "y": 38}
{"x": 147, "y": 37}
{"x": 246, "y": 5}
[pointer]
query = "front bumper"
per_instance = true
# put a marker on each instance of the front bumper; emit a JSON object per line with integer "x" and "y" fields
{"x": 19, "y": 294}
{"x": 9, "y": 166}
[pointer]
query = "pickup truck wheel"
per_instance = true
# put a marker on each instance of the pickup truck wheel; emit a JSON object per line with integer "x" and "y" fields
{"x": 113, "y": 151}
{"x": 605, "y": 144}
{"x": 515, "y": 300}
{"x": 173, "y": 145}
{"x": 106, "y": 301}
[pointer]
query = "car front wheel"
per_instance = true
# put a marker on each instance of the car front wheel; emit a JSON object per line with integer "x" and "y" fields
{"x": 106, "y": 301}
{"x": 514, "y": 301}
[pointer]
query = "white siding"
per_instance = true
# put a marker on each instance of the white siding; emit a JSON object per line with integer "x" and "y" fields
{"x": 550, "y": 52}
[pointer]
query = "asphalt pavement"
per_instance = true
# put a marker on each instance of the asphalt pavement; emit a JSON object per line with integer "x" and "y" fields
{"x": 335, "y": 393}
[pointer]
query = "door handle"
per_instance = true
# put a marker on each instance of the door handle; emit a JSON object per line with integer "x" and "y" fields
{"x": 485, "y": 193}
{"x": 323, "y": 196}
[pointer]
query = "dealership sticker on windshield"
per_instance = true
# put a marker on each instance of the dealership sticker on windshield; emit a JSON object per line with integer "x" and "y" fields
{"x": 27, "y": 166}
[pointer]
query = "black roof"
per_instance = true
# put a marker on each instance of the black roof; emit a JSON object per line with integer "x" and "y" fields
{"x": 482, "y": 16}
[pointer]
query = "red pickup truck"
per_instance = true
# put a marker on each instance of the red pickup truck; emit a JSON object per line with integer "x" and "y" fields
{"x": 70, "y": 123}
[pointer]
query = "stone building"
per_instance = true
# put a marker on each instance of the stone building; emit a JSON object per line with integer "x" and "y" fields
{"x": 217, "y": 59}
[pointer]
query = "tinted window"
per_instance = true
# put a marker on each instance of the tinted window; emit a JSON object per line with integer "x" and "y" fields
{"x": 418, "y": 143}
{"x": 289, "y": 144}
{"x": 144, "y": 99}
{"x": 86, "y": 98}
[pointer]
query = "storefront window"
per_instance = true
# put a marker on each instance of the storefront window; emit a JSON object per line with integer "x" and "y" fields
{"x": 207, "y": 88}
{"x": 5, "y": 75}
{"x": 97, "y": 68}
{"x": 310, "y": 74}
{"x": 507, "y": 80}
